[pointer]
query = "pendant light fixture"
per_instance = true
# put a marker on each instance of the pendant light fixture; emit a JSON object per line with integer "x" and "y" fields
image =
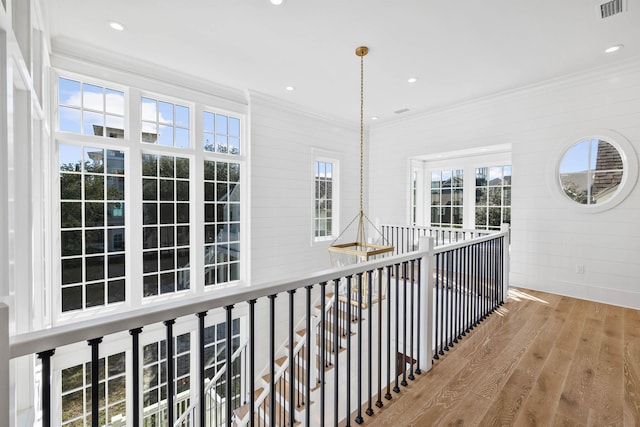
{"x": 361, "y": 249}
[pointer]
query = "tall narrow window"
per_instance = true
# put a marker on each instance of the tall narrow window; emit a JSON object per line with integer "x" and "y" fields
{"x": 89, "y": 109}
{"x": 446, "y": 198}
{"x": 493, "y": 197}
{"x": 166, "y": 224}
{"x": 77, "y": 392}
{"x": 92, "y": 244}
{"x": 323, "y": 187}
{"x": 221, "y": 222}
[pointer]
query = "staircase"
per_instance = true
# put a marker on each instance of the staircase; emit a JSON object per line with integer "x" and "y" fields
{"x": 337, "y": 317}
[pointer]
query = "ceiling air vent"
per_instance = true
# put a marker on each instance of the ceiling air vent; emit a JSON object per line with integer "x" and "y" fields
{"x": 402, "y": 110}
{"x": 611, "y": 8}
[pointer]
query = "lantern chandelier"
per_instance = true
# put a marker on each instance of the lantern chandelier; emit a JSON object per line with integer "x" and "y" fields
{"x": 360, "y": 249}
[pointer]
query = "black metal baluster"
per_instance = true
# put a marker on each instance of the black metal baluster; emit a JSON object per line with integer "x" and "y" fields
{"x": 323, "y": 351}
{"x": 170, "y": 369}
{"x": 457, "y": 294}
{"x": 388, "y": 394}
{"x": 359, "y": 418}
{"x": 307, "y": 394}
{"x": 419, "y": 280}
{"x": 379, "y": 403}
{"x": 135, "y": 386}
{"x": 292, "y": 373}
{"x": 411, "y": 308}
{"x": 252, "y": 362}
{"x": 404, "y": 325}
{"x": 396, "y": 389}
{"x": 348, "y": 389}
{"x": 447, "y": 279}
{"x": 201, "y": 361}
{"x": 438, "y": 311}
{"x": 229, "y": 372}
{"x": 95, "y": 381}
{"x": 336, "y": 333}
{"x": 369, "y": 410}
{"x": 272, "y": 361}
{"x": 45, "y": 356}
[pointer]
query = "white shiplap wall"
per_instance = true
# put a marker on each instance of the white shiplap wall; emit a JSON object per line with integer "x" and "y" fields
{"x": 283, "y": 140}
{"x": 549, "y": 238}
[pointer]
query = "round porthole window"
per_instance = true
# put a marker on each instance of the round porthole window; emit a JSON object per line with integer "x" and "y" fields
{"x": 597, "y": 172}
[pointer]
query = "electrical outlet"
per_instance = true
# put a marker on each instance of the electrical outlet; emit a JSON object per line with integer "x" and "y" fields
{"x": 579, "y": 268}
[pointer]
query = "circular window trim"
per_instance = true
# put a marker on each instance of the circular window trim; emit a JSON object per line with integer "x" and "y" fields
{"x": 629, "y": 163}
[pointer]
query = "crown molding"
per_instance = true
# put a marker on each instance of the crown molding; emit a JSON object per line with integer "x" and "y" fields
{"x": 564, "y": 81}
{"x": 65, "y": 50}
{"x": 293, "y": 108}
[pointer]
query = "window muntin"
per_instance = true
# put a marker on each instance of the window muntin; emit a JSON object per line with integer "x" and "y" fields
{"x": 92, "y": 222}
{"x": 77, "y": 391}
{"x": 165, "y": 224}
{"x": 90, "y": 109}
{"x": 221, "y": 222}
{"x": 164, "y": 123}
{"x": 493, "y": 197}
{"x": 447, "y": 198}
{"x": 221, "y": 133}
{"x": 154, "y": 379}
{"x": 591, "y": 171}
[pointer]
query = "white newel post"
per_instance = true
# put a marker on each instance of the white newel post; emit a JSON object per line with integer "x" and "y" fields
{"x": 505, "y": 228}
{"x": 5, "y": 357}
{"x": 426, "y": 304}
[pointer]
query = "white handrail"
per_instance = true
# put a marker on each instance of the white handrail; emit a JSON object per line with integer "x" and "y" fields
{"x": 47, "y": 339}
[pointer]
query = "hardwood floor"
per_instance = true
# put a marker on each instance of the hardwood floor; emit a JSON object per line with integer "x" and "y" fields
{"x": 542, "y": 360}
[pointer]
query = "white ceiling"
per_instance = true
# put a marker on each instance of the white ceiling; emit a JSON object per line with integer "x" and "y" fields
{"x": 458, "y": 50}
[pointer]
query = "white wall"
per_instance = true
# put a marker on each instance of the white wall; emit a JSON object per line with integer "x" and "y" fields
{"x": 548, "y": 237}
{"x": 283, "y": 140}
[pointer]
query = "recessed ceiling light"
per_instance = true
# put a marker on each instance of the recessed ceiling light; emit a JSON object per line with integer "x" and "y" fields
{"x": 614, "y": 48}
{"x": 116, "y": 26}
{"x": 290, "y": 88}
{"x": 412, "y": 79}
{"x": 276, "y": 2}
{"x": 374, "y": 118}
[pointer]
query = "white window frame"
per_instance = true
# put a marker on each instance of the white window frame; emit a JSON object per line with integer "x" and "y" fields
{"x": 135, "y": 88}
{"x": 496, "y": 156}
{"x": 319, "y": 155}
{"x": 629, "y": 165}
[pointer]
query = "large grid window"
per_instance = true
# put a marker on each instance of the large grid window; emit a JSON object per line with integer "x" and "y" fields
{"x": 221, "y": 133}
{"x": 221, "y": 222}
{"x": 166, "y": 225}
{"x": 493, "y": 197}
{"x": 96, "y": 268}
{"x": 154, "y": 380}
{"x": 77, "y": 392}
{"x": 446, "y": 198}
{"x": 89, "y": 109}
{"x": 92, "y": 241}
{"x": 165, "y": 123}
{"x": 323, "y": 196}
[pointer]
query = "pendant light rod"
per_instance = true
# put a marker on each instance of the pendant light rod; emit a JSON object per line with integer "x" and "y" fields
{"x": 361, "y": 52}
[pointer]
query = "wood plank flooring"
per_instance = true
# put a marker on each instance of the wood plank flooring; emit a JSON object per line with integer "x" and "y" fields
{"x": 541, "y": 360}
